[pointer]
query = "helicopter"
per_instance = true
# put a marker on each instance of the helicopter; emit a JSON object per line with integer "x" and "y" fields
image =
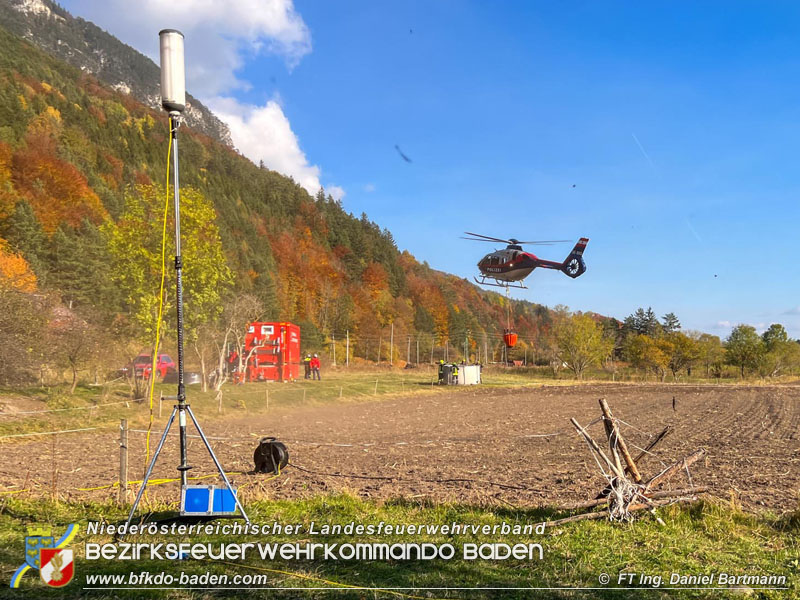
{"x": 510, "y": 266}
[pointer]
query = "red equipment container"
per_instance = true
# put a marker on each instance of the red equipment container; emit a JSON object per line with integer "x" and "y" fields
{"x": 510, "y": 338}
{"x": 272, "y": 350}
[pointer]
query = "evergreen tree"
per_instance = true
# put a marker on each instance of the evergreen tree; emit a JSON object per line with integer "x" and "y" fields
{"x": 670, "y": 323}
{"x": 25, "y": 236}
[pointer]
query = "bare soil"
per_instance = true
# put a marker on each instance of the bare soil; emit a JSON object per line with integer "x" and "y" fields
{"x": 475, "y": 445}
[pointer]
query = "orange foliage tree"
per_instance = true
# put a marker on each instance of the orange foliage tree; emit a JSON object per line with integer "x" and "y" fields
{"x": 14, "y": 270}
{"x": 56, "y": 190}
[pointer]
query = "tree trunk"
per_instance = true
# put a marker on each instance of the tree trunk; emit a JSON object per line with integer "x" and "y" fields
{"x": 74, "y": 379}
{"x": 203, "y": 375}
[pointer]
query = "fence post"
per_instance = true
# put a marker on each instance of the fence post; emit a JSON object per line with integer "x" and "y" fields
{"x": 160, "y": 398}
{"x": 123, "y": 461}
{"x": 266, "y": 392}
{"x": 347, "y": 352}
{"x": 340, "y": 391}
{"x": 376, "y": 388}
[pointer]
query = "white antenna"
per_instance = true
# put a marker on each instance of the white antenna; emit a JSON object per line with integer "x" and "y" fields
{"x": 195, "y": 500}
{"x": 173, "y": 76}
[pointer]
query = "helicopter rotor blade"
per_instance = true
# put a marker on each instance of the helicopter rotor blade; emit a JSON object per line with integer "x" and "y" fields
{"x": 480, "y": 240}
{"x": 486, "y": 238}
{"x": 545, "y": 242}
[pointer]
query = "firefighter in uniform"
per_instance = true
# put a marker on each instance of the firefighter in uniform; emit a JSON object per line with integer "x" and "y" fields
{"x": 307, "y": 365}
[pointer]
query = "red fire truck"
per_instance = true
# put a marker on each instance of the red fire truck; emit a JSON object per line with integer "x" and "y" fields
{"x": 272, "y": 351}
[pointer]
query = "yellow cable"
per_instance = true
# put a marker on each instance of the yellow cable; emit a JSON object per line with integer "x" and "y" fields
{"x": 160, "y": 298}
{"x": 160, "y": 481}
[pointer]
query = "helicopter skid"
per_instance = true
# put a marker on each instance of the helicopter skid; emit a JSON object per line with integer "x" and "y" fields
{"x": 501, "y": 284}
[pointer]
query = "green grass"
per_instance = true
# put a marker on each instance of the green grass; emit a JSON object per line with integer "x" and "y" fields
{"x": 94, "y": 407}
{"x": 701, "y": 538}
{"x": 104, "y": 406}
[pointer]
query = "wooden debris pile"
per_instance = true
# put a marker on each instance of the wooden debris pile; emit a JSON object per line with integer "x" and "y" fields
{"x": 627, "y": 491}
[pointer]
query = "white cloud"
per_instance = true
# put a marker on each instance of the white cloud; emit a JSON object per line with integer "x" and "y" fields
{"x": 263, "y": 133}
{"x": 336, "y": 192}
{"x": 369, "y": 188}
{"x": 722, "y": 325}
{"x": 793, "y": 311}
{"x": 218, "y": 34}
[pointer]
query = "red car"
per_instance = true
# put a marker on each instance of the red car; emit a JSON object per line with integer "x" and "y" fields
{"x": 143, "y": 364}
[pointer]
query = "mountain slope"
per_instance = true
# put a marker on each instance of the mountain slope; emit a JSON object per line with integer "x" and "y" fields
{"x": 87, "y": 47}
{"x": 73, "y": 150}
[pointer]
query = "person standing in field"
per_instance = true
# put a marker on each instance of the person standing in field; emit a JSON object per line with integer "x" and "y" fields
{"x": 315, "y": 368}
{"x": 307, "y": 366}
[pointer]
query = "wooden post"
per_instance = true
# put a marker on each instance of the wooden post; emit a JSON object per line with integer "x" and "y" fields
{"x": 334, "y": 348}
{"x": 391, "y": 346}
{"x": 417, "y": 350}
{"x": 652, "y": 444}
{"x": 408, "y": 350}
{"x": 611, "y": 435}
{"x": 670, "y": 471}
{"x": 593, "y": 445}
{"x": 376, "y": 388}
{"x": 623, "y": 447}
{"x": 123, "y": 460}
{"x": 266, "y": 393}
{"x": 347, "y": 351}
{"x": 304, "y": 394}
{"x": 219, "y": 401}
{"x": 340, "y": 391}
{"x": 160, "y": 399}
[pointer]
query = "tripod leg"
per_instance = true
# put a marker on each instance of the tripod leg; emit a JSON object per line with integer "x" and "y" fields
{"x": 151, "y": 465}
{"x": 216, "y": 462}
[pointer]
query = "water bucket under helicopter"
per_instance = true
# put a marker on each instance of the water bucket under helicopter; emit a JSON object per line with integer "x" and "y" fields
{"x": 510, "y": 338}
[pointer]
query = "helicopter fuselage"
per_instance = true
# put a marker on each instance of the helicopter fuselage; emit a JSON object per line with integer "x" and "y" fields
{"x": 512, "y": 264}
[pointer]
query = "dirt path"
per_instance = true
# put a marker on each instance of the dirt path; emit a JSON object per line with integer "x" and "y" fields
{"x": 519, "y": 438}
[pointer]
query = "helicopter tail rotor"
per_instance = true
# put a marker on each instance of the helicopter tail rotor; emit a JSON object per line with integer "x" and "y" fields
{"x": 574, "y": 266}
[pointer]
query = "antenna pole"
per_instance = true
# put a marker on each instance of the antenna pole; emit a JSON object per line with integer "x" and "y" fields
{"x": 182, "y": 406}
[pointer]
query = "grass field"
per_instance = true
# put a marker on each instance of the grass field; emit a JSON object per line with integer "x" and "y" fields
{"x": 416, "y": 432}
{"x": 99, "y": 406}
{"x": 703, "y": 538}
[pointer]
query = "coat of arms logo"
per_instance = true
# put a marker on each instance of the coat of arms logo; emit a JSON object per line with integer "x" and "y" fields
{"x": 50, "y": 556}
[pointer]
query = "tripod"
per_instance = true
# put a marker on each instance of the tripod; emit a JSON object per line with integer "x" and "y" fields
{"x": 181, "y": 408}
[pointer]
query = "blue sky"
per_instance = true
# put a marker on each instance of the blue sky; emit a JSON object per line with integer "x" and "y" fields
{"x": 667, "y": 134}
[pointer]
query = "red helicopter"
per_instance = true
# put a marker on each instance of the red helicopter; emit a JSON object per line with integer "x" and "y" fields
{"x": 510, "y": 266}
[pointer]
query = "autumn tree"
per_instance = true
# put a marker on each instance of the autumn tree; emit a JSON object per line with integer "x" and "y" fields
{"x": 15, "y": 272}
{"x": 744, "y": 348}
{"x": 681, "y": 351}
{"x": 135, "y": 247}
{"x": 643, "y": 352}
{"x": 23, "y": 321}
{"x": 73, "y": 344}
{"x": 780, "y": 353}
{"x": 239, "y": 311}
{"x": 581, "y": 343}
{"x": 711, "y": 353}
